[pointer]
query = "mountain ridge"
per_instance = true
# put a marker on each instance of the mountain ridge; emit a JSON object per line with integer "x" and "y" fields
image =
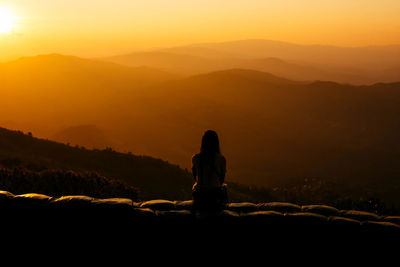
{"x": 60, "y": 60}
{"x": 355, "y": 65}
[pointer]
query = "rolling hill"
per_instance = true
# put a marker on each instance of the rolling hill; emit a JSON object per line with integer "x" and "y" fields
{"x": 155, "y": 178}
{"x": 61, "y": 91}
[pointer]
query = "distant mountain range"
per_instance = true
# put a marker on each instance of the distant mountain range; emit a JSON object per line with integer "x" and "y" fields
{"x": 58, "y": 90}
{"x": 355, "y": 65}
{"x": 273, "y": 129}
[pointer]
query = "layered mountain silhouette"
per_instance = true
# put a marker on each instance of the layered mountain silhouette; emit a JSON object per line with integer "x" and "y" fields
{"x": 189, "y": 65}
{"x": 272, "y": 129}
{"x": 355, "y": 65}
{"x": 44, "y": 92}
{"x": 325, "y": 54}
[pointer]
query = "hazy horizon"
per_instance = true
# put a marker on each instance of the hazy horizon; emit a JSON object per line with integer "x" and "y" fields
{"x": 189, "y": 44}
{"x": 105, "y": 28}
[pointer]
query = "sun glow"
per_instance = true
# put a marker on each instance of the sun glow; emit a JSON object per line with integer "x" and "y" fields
{"x": 7, "y": 20}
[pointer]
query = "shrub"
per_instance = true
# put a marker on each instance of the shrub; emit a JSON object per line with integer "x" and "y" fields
{"x": 60, "y": 183}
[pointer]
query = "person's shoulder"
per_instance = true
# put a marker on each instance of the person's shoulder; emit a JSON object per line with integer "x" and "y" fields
{"x": 195, "y": 156}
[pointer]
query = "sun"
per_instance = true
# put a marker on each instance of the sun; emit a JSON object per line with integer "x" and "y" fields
{"x": 7, "y": 20}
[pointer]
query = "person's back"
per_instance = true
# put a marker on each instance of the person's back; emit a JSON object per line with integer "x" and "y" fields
{"x": 209, "y": 172}
{"x": 209, "y": 168}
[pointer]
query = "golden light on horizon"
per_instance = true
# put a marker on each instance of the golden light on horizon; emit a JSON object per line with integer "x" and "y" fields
{"x": 7, "y": 20}
{"x": 93, "y": 28}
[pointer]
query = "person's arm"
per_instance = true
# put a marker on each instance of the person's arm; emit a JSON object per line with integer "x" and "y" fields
{"x": 223, "y": 171}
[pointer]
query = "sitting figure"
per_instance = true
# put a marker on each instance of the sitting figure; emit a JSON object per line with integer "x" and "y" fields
{"x": 209, "y": 168}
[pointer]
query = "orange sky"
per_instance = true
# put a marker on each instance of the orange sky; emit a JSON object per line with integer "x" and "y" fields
{"x": 99, "y": 27}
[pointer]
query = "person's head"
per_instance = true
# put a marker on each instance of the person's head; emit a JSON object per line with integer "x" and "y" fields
{"x": 209, "y": 143}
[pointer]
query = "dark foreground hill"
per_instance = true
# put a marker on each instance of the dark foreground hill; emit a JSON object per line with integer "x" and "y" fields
{"x": 154, "y": 177}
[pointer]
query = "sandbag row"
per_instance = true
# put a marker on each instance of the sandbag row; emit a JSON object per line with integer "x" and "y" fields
{"x": 273, "y": 216}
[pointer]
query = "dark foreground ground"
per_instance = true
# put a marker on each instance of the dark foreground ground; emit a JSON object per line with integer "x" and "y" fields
{"x": 44, "y": 217}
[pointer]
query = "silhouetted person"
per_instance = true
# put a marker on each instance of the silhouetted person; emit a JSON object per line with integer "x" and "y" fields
{"x": 209, "y": 168}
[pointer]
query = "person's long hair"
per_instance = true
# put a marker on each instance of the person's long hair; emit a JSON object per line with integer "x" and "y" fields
{"x": 209, "y": 147}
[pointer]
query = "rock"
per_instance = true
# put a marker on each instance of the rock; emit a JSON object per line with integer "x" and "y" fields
{"x": 184, "y": 205}
{"x": 242, "y": 207}
{"x": 143, "y": 217}
{"x": 113, "y": 202}
{"x": 158, "y": 204}
{"x": 121, "y": 215}
{"x": 76, "y": 202}
{"x": 113, "y": 206}
{"x": 344, "y": 225}
{"x": 392, "y": 219}
{"x": 280, "y": 207}
{"x": 31, "y": 201}
{"x": 263, "y": 218}
{"x": 320, "y": 209}
{"x": 39, "y": 197}
{"x": 5, "y": 195}
{"x": 359, "y": 215}
{"x": 144, "y": 212}
{"x": 5, "y": 200}
{"x": 305, "y": 219}
{"x": 229, "y": 214}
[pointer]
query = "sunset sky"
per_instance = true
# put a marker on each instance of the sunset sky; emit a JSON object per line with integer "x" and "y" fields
{"x": 98, "y": 27}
